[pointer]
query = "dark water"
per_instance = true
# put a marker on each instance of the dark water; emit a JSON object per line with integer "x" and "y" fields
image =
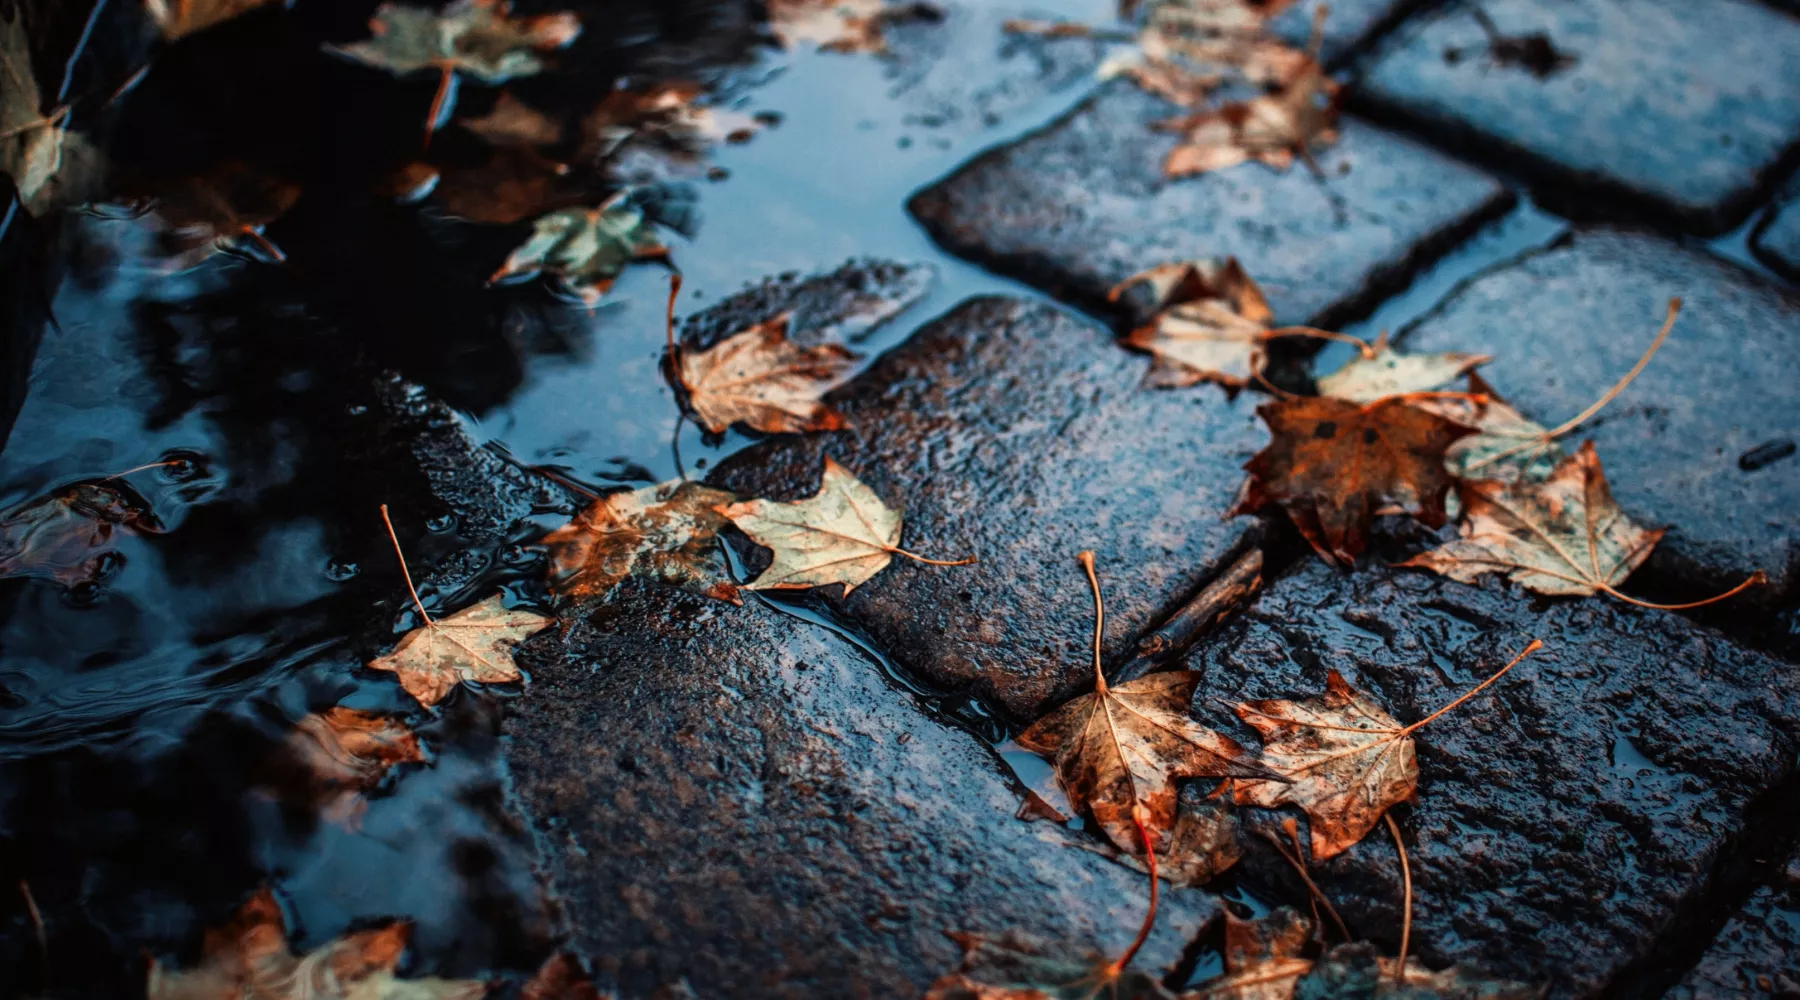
{"x": 143, "y": 707}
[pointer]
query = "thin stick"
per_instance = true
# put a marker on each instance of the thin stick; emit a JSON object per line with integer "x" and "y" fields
{"x": 669, "y": 329}
{"x": 1406, "y": 880}
{"x": 255, "y": 236}
{"x": 140, "y": 468}
{"x": 1086, "y": 558}
{"x": 437, "y": 102}
{"x": 934, "y": 562}
{"x": 1318, "y": 893}
{"x": 1318, "y": 334}
{"x": 37, "y": 924}
{"x": 1137, "y": 818}
{"x": 403, "y": 570}
{"x": 1534, "y": 646}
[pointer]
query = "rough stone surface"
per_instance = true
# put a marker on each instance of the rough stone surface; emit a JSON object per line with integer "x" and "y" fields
{"x": 1019, "y": 434}
{"x": 1690, "y": 115}
{"x": 1778, "y": 241}
{"x": 740, "y": 798}
{"x": 845, "y": 304}
{"x": 1082, "y": 205}
{"x": 1567, "y": 322}
{"x": 1758, "y": 952}
{"x": 1569, "y": 823}
{"x": 1351, "y": 24}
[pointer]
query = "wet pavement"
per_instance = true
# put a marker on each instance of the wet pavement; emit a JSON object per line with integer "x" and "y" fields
{"x": 799, "y": 796}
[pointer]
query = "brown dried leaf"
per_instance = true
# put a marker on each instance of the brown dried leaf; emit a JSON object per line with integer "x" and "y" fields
{"x": 1347, "y": 761}
{"x": 31, "y": 142}
{"x": 667, "y": 116}
{"x": 1506, "y": 445}
{"x": 478, "y": 37}
{"x": 844, "y": 534}
{"x": 561, "y": 977}
{"x": 1387, "y": 372}
{"x": 64, "y": 535}
{"x": 1123, "y": 746}
{"x": 586, "y": 249}
{"x": 512, "y": 122}
{"x": 832, "y": 25}
{"x": 1333, "y": 465}
{"x": 1210, "y": 326}
{"x": 1264, "y": 959}
{"x": 667, "y": 533}
{"x": 1011, "y": 968}
{"x": 1564, "y": 536}
{"x": 1272, "y": 128}
{"x": 224, "y": 209}
{"x": 1202, "y": 846}
{"x": 760, "y": 378}
{"x": 475, "y": 644}
{"x": 179, "y": 18}
{"x": 249, "y": 958}
{"x": 347, "y": 752}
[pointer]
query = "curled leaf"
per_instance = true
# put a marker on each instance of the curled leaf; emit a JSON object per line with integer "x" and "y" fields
{"x": 1211, "y": 323}
{"x": 832, "y": 25}
{"x": 760, "y": 378}
{"x": 1264, "y": 959}
{"x": 1387, "y": 372}
{"x": 667, "y": 533}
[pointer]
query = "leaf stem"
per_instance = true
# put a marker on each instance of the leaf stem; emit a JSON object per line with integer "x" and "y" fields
{"x": 669, "y": 329}
{"x": 1755, "y": 579}
{"x": 1137, "y": 818}
{"x": 448, "y": 74}
{"x": 1086, "y": 558}
{"x": 141, "y": 468}
{"x": 37, "y": 925}
{"x": 1534, "y": 646}
{"x": 915, "y": 557}
{"x": 1318, "y": 334}
{"x": 1406, "y": 880}
{"x": 403, "y": 570}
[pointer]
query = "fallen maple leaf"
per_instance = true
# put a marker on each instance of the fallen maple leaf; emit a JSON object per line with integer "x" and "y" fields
{"x": 586, "y": 249}
{"x": 223, "y": 209}
{"x": 1012, "y": 968}
{"x": 1187, "y": 47}
{"x": 561, "y": 977}
{"x": 1271, "y": 128}
{"x": 760, "y": 378}
{"x": 249, "y": 958}
{"x": 514, "y": 183}
{"x": 1202, "y": 845}
{"x": 179, "y": 18}
{"x": 64, "y": 535}
{"x": 832, "y": 25}
{"x": 1333, "y": 465}
{"x": 1506, "y": 445}
{"x": 1210, "y": 325}
{"x": 31, "y": 142}
{"x": 1120, "y": 749}
{"x": 475, "y": 644}
{"x": 1346, "y": 760}
{"x": 477, "y": 37}
{"x": 843, "y": 534}
{"x": 1387, "y": 372}
{"x": 667, "y": 533}
{"x": 668, "y": 115}
{"x": 346, "y": 752}
{"x": 512, "y": 122}
{"x": 1564, "y": 536}
{"x": 1264, "y": 959}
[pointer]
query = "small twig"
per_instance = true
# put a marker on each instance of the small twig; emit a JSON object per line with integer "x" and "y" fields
{"x": 675, "y": 369}
{"x": 1086, "y": 558}
{"x": 437, "y": 101}
{"x": 1197, "y": 617}
{"x": 403, "y": 570}
{"x": 37, "y": 925}
{"x": 1406, "y": 880}
{"x": 149, "y": 465}
{"x": 1318, "y": 893}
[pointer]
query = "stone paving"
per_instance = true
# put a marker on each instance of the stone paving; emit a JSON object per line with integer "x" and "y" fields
{"x": 1597, "y": 825}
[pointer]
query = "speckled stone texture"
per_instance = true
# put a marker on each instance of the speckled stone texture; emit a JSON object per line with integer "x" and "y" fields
{"x": 1777, "y": 242}
{"x": 1686, "y": 113}
{"x": 1083, "y": 204}
{"x": 1020, "y": 434}
{"x": 1351, "y": 24}
{"x": 848, "y": 303}
{"x": 1567, "y": 322}
{"x": 1757, "y": 954}
{"x": 739, "y": 798}
{"x": 1569, "y": 822}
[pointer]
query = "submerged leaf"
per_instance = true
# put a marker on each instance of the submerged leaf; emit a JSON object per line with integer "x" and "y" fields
{"x": 1264, "y": 959}
{"x": 1387, "y": 372}
{"x": 179, "y": 18}
{"x": 667, "y": 533}
{"x": 1124, "y": 745}
{"x": 65, "y": 535}
{"x": 512, "y": 122}
{"x": 1012, "y": 968}
{"x": 1346, "y": 760}
{"x": 249, "y": 958}
{"x": 478, "y": 37}
{"x": 475, "y": 644}
{"x": 1563, "y": 536}
{"x": 223, "y": 209}
{"x": 1333, "y": 465}
{"x": 760, "y": 378}
{"x": 346, "y": 752}
{"x": 667, "y": 116}
{"x": 586, "y": 249}
{"x": 1210, "y": 325}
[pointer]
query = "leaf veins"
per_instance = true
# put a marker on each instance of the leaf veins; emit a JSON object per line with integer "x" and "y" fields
{"x": 760, "y": 378}
{"x": 667, "y": 533}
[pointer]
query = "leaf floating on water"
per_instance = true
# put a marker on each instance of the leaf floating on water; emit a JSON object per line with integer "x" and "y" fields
{"x": 223, "y": 210}
{"x": 1333, "y": 465}
{"x": 586, "y": 249}
{"x": 477, "y": 37}
{"x": 347, "y": 751}
{"x": 1387, "y": 372}
{"x": 1011, "y": 967}
{"x": 475, "y": 644}
{"x": 667, "y": 533}
{"x": 1264, "y": 959}
{"x": 1564, "y": 536}
{"x": 248, "y": 957}
{"x": 180, "y": 18}
{"x": 668, "y": 116}
{"x": 843, "y": 534}
{"x": 760, "y": 378}
{"x": 65, "y": 535}
{"x": 512, "y": 122}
